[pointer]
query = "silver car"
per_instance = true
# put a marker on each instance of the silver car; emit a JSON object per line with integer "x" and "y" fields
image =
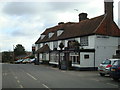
{"x": 104, "y": 67}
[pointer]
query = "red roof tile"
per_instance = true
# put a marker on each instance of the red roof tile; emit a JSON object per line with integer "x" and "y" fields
{"x": 108, "y": 28}
{"x": 85, "y": 27}
{"x": 55, "y": 28}
{"x": 92, "y": 26}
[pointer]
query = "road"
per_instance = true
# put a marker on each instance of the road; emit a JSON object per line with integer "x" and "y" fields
{"x": 42, "y": 76}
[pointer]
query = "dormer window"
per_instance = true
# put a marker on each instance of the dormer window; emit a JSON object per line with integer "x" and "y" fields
{"x": 42, "y": 36}
{"x": 59, "y": 32}
{"x": 50, "y": 35}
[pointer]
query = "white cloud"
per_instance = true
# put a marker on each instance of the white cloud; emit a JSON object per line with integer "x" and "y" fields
{"x": 70, "y": 16}
{"x": 23, "y": 22}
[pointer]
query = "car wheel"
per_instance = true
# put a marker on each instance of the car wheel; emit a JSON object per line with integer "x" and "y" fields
{"x": 102, "y": 74}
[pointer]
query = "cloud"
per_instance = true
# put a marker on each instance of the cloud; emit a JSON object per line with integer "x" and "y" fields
{"x": 26, "y": 8}
{"x": 23, "y": 22}
{"x": 18, "y": 8}
{"x": 33, "y": 8}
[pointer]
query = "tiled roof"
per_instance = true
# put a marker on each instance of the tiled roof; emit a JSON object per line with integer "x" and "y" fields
{"x": 91, "y": 26}
{"x": 38, "y": 40}
{"x": 53, "y": 29}
{"x": 85, "y": 27}
{"x": 57, "y": 27}
{"x": 108, "y": 28}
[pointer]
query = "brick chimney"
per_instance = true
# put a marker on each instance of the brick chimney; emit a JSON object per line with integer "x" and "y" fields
{"x": 108, "y": 5}
{"x": 82, "y": 16}
{"x": 60, "y": 23}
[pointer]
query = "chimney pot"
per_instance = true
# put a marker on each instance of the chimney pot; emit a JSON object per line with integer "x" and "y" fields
{"x": 60, "y": 23}
{"x": 82, "y": 16}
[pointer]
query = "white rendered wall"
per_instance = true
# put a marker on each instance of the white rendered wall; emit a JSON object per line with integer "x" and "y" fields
{"x": 119, "y": 41}
{"x": 91, "y": 42}
{"x": 47, "y": 56}
{"x": 51, "y": 45}
{"x": 77, "y": 39}
{"x": 86, "y": 62}
{"x": 40, "y": 57}
{"x": 58, "y": 45}
{"x": 36, "y": 47}
{"x": 105, "y": 48}
{"x": 66, "y": 41}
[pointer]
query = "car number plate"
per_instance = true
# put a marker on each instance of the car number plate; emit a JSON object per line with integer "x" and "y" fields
{"x": 112, "y": 69}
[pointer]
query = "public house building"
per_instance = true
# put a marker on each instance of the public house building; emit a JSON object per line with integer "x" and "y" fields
{"x": 83, "y": 44}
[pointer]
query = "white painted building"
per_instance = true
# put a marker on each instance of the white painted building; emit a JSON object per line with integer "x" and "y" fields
{"x": 83, "y": 44}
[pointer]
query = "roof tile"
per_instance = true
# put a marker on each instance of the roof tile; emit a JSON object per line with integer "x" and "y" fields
{"x": 91, "y": 26}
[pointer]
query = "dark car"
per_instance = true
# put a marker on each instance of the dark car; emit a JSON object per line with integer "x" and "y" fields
{"x": 115, "y": 70}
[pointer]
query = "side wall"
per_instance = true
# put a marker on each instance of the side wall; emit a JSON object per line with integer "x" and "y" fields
{"x": 105, "y": 47}
{"x": 87, "y": 62}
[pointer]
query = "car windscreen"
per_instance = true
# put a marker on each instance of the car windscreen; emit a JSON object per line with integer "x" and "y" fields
{"x": 116, "y": 63}
{"x": 106, "y": 62}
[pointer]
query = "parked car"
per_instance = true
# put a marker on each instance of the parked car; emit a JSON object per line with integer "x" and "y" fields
{"x": 32, "y": 60}
{"x": 18, "y": 61}
{"x": 26, "y": 61}
{"x": 115, "y": 70}
{"x": 104, "y": 67}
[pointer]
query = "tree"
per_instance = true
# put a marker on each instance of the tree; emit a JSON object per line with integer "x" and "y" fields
{"x": 19, "y": 50}
{"x": 7, "y": 56}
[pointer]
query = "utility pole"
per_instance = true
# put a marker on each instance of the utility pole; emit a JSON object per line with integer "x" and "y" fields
{"x": 13, "y": 54}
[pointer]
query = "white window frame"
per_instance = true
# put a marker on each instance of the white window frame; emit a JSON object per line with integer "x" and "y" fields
{"x": 59, "y": 32}
{"x": 42, "y": 36}
{"x": 50, "y": 34}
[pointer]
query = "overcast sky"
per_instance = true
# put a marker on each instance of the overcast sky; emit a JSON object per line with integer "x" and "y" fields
{"x": 23, "y": 22}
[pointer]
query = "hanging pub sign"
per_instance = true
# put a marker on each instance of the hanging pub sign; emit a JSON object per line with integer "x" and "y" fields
{"x": 73, "y": 45}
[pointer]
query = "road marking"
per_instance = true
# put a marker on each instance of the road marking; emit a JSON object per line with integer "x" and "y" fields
{"x": 16, "y": 77}
{"x": 112, "y": 84}
{"x": 54, "y": 68}
{"x": 63, "y": 71}
{"x": 21, "y": 86}
{"x": 4, "y": 74}
{"x": 46, "y": 86}
{"x": 18, "y": 81}
{"x": 31, "y": 76}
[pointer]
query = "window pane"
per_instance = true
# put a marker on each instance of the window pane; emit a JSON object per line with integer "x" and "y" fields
{"x": 55, "y": 44}
{"x": 84, "y": 41}
{"x": 86, "y": 56}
